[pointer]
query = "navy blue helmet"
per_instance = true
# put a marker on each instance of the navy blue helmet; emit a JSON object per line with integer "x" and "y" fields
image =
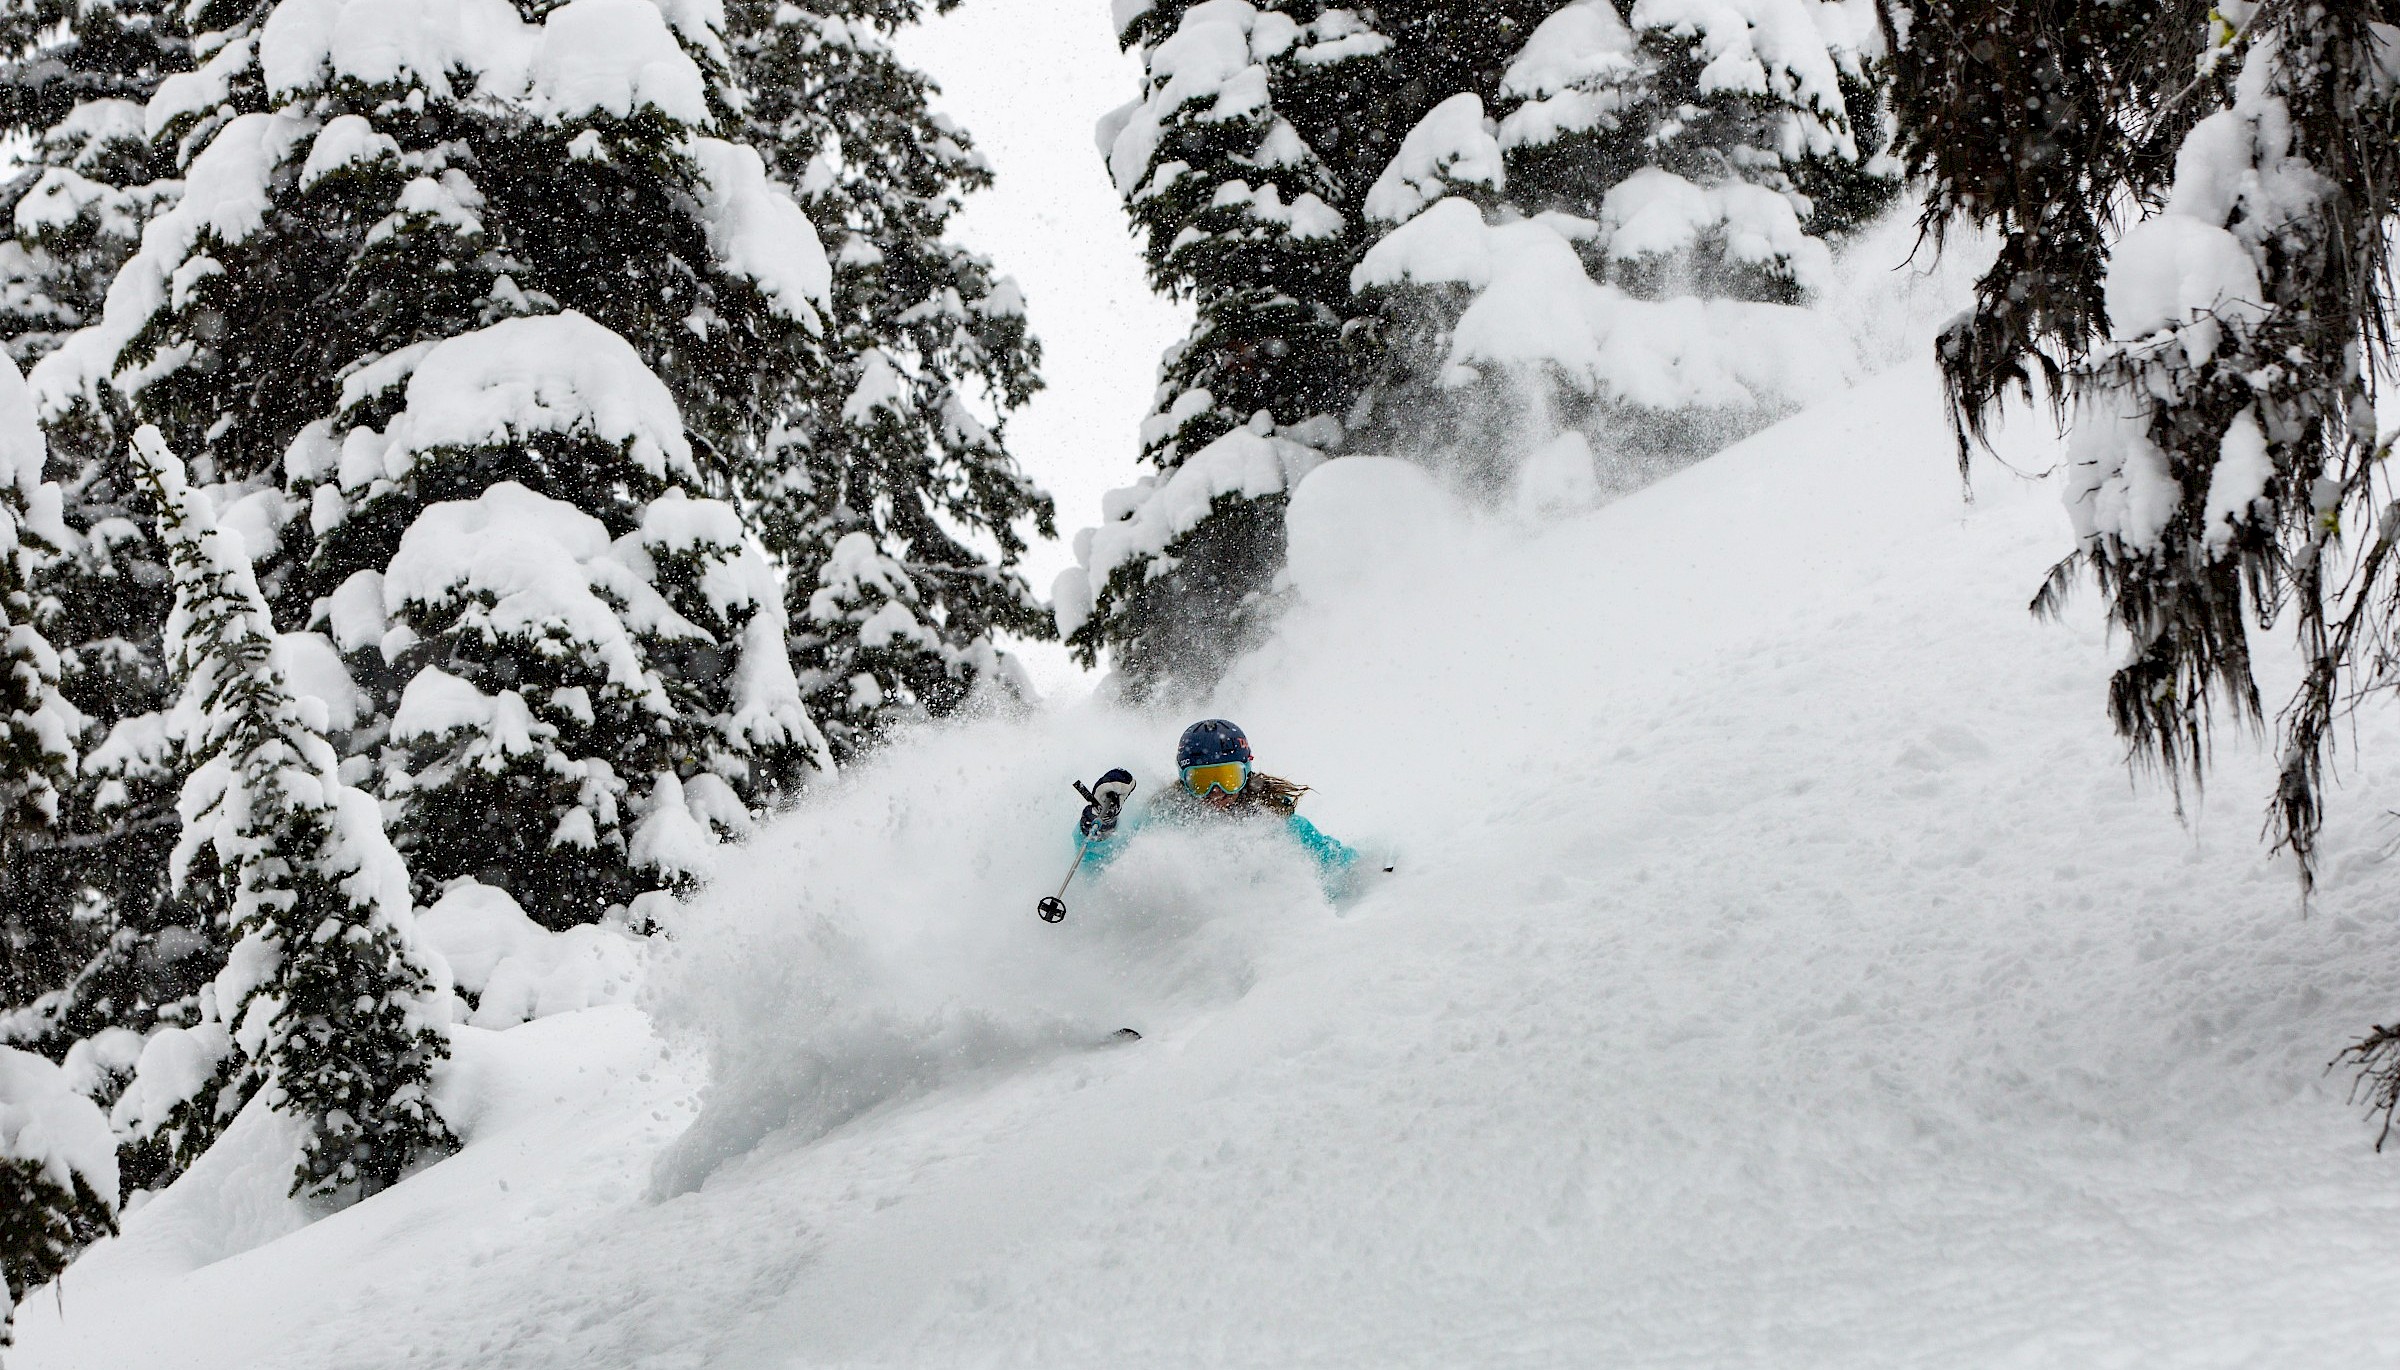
{"x": 1211, "y": 742}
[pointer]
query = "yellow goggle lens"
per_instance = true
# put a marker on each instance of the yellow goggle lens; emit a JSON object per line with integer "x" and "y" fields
{"x": 1229, "y": 777}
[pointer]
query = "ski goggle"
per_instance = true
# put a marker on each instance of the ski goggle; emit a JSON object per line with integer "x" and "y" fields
{"x": 1229, "y": 776}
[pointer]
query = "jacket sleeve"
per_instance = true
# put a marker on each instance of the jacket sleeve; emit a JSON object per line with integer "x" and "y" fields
{"x": 1333, "y": 859}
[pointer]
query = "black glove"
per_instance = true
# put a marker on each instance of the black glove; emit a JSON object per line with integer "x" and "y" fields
{"x": 1108, "y": 795}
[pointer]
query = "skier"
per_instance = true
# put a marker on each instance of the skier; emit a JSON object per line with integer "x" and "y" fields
{"x": 1213, "y": 760}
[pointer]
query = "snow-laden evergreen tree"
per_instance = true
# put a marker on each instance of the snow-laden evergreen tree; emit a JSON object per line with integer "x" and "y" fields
{"x": 1656, "y": 190}
{"x": 104, "y": 599}
{"x": 411, "y": 175}
{"x": 376, "y": 190}
{"x": 894, "y": 505}
{"x": 58, "y": 55}
{"x": 58, "y": 1176}
{"x": 72, "y": 83}
{"x": 43, "y": 941}
{"x": 596, "y": 685}
{"x": 2224, "y": 465}
{"x": 1467, "y": 233}
{"x": 324, "y": 1006}
{"x": 1256, "y": 223}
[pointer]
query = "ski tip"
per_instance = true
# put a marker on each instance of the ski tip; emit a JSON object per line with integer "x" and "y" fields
{"x": 1126, "y": 1035}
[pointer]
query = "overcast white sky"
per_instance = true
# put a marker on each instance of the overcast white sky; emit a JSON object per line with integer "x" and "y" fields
{"x": 1029, "y": 78}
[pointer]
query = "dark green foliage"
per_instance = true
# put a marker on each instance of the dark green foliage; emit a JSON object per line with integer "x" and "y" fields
{"x": 593, "y": 743}
{"x": 42, "y": 941}
{"x": 1273, "y": 302}
{"x": 73, "y": 78}
{"x": 1271, "y": 293}
{"x": 1848, "y": 193}
{"x": 2042, "y": 120}
{"x": 352, "y": 1053}
{"x": 454, "y": 789}
{"x": 69, "y": 964}
{"x": 1210, "y": 610}
{"x": 79, "y": 211}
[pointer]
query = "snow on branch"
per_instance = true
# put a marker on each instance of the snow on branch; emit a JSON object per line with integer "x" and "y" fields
{"x": 1453, "y": 145}
{"x": 58, "y": 1176}
{"x": 1147, "y": 520}
{"x": 515, "y": 381}
{"x": 584, "y": 57}
{"x": 1535, "y": 309}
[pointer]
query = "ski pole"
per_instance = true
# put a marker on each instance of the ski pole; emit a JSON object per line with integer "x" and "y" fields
{"x": 1054, "y": 908}
{"x": 1100, "y": 821}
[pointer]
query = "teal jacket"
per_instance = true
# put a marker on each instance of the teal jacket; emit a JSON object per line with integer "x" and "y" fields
{"x": 1333, "y": 858}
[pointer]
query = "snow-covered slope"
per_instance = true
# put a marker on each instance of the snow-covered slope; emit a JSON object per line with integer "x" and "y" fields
{"x": 1782, "y": 972}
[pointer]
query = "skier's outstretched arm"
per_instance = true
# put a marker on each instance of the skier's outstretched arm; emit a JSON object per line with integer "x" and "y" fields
{"x": 1334, "y": 858}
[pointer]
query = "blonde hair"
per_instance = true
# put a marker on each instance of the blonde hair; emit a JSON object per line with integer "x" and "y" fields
{"x": 1272, "y": 792}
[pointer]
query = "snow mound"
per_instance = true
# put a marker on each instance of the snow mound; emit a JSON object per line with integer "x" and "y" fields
{"x": 1582, "y": 43}
{"x": 518, "y": 970}
{"x": 2173, "y": 268}
{"x": 236, "y": 1198}
{"x": 1340, "y": 525}
{"x": 1657, "y": 214}
{"x": 1452, "y": 145}
{"x": 346, "y": 141}
{"x": 1795, "y": 50}
{"x": 59, "y": 1132}
{"x": 757, "y": 230}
